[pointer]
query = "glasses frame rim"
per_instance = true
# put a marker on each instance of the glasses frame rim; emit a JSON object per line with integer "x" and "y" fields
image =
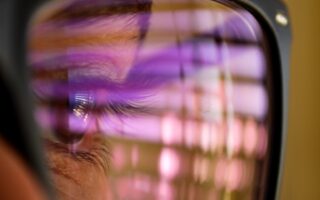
{"x": 279, "y": 36}
{"x": 15, "y": 15}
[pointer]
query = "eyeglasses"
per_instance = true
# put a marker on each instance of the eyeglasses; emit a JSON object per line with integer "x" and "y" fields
{"x": 171, "y": 100}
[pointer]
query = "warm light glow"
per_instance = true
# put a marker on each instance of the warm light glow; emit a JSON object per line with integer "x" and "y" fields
{"x": 165, "y": 191}
{"x": 171, "y": 130}
{"x": 250, "y": 137}
{"x": 135, "y": 156}
{"x": 191, "y": 133}
{"x": 205, "y": 137}
{"x": 119, "y": 157}
{"x": 169, "y": 163}
{"x": 234, "y": 175}
{"x": 220, "y": 171}
{"x": 235, "y": 136}
{"x": 175, "y": 99}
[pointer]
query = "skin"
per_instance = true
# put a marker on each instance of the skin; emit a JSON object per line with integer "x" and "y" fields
{"x": 80, "y": 171}
{"x": 15, "y": 176}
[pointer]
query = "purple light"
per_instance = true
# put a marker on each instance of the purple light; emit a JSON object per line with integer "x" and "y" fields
{"x": 245, "y": 61}
{"x": 186, "y": 102}
{"x": 250, "y": 99}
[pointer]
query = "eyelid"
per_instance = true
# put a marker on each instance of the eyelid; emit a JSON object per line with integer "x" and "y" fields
{"x": 81, "y": 60}
{"x": 114, "y": 106}
{"x": 127, "y": 108}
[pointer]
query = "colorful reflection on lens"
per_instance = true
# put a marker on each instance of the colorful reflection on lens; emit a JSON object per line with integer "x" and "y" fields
{"x": 182, "y": 104}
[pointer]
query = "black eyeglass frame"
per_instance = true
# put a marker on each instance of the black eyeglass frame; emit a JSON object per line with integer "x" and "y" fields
{"x": 278, "y": 34}
{"x": 17, "y": 104}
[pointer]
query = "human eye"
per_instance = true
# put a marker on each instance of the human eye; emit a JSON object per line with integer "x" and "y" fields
{"x": 184, "y": 110}
{"x": 67, "y": 118}
{"x": 80, "y": 55}
{"x": 70, "y": 114}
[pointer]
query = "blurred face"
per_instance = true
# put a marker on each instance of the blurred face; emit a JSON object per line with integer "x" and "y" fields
{"x": 179, "y": 113}
{"x": 73, "y": 44}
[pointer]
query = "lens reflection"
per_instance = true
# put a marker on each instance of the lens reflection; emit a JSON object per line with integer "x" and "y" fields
{"x": 164, "y": 103}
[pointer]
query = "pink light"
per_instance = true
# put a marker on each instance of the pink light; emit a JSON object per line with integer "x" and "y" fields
{"x": 190, "y": 134}
{"x": 118, "y": 157}
{"x": 220, "y": 172}
{"x": 174, "y": 99}
{"x": 235, "y": 175}
{"x": 201, "y": 167}
{"x": 142, "y": 186}
{"x": 215, "y": 137}
{"x": 135, "y": 156}
{"x": 171, "y": 130}
{"x": 211, "y": 106}
{"x": 110, "y": 125}
{"x": 140, "y": 128}
{"x": 205, "y": 136}
{"x": 222, "y": 136}
{"x": 234, "y": 138}
{"x": 169, "y": 164}
{"x": 165, "y": 191}
{"x": 250, "y": 137}
{"x": 262, "y": 142}
{"x": 231, "y": 174}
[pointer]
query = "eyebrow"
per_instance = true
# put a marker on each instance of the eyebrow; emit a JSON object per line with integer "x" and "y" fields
{"x": 83, "y": 14}
{"x": 81, "y": 9}
{"x": 100, "y": 32}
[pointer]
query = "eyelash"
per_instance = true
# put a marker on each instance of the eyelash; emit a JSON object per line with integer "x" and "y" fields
{"x": 83, "y": 108}
{"x": 126, "y": 108}
{"x": 77, "y": 102}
